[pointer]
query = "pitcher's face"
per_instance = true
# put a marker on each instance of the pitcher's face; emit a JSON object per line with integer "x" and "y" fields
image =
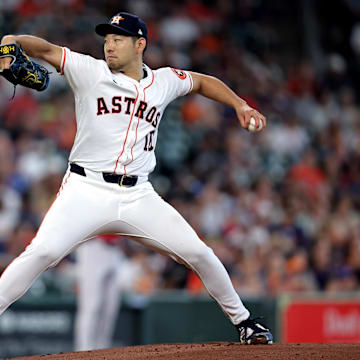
{"x": 119, "y": 50}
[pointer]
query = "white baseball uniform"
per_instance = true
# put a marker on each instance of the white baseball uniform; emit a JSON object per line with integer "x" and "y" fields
{"x": 117, "y": 124}
{"x": 99, "y": 292}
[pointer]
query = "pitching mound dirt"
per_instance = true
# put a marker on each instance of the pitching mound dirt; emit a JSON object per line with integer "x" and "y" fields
{"x": 215, "y": 351}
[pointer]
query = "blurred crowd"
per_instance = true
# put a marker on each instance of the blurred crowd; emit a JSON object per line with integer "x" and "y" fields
{"x": 280, "y": 208}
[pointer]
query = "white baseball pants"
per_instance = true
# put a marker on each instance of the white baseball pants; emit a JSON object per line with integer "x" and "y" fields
{"x": 88, "y": 206}
{"x": 99, "y": 294}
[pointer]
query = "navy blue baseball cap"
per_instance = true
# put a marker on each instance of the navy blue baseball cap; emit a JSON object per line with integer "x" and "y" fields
{"x": 123, "y": 24}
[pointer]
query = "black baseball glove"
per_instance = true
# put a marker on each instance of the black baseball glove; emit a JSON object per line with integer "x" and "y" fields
{"x": 23, "y": 71}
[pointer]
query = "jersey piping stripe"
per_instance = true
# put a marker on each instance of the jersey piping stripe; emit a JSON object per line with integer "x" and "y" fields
{"x": 132, "y": 155}
{"x": 127, "y": 132}
{"x": 132, "y": 148}
{"x": 63, "y": 61}
{"x": 152, "y": 81}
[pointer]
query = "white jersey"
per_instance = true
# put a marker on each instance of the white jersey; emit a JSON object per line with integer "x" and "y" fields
{"x": 117, "y": 123}
{"x": 118, "y": 117}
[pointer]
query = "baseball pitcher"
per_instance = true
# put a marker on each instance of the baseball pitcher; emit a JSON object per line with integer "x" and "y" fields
{"x": 119, "y": 104}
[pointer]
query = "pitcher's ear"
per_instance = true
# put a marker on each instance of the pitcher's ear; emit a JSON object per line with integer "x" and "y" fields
{"x": 141, "y": 44}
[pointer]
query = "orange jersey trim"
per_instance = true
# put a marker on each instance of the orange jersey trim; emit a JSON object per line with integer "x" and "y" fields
{"x": 127, "y": 132}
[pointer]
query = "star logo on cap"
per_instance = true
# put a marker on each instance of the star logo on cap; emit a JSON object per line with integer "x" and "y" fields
{"x": 140, "y": 32}
{"x": 116, "y": 19}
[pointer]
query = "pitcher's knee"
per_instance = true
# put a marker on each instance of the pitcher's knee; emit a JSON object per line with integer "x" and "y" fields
{"x": 46, "y": 255}
{"x": 199, "y": 254}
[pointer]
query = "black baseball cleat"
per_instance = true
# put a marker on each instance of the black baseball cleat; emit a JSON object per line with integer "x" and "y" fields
{"x": 251, "y": 332}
